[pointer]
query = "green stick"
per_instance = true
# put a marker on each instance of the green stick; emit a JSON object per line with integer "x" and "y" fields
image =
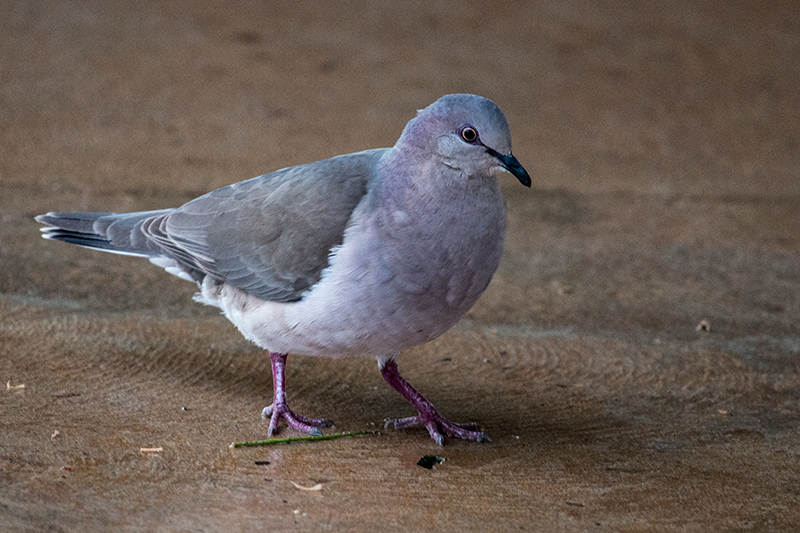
{"x": 285, "y": 440}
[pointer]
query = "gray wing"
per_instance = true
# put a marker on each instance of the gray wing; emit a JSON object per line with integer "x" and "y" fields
{"x": 270, "y": 236}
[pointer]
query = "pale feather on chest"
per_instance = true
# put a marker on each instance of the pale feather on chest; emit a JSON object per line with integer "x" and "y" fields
{"x": 449, "y": 250}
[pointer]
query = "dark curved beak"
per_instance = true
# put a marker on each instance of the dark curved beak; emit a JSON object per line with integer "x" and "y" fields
{"x": 511, "y": 164}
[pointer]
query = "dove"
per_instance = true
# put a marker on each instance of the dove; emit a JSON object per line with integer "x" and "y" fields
{"x": 364, "y": 254}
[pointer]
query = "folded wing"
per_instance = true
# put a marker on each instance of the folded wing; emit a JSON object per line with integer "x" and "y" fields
{"x": 270, "y": 236}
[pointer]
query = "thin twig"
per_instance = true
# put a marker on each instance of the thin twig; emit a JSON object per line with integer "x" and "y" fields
{"x": 297, "y": 439}
{"x": 151, "y": 450}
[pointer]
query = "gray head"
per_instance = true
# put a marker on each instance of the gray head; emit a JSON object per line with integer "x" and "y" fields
{"x": 468, "y": 132}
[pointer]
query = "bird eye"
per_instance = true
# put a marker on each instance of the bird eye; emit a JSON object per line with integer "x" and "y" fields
{"x": 469, "y": 134}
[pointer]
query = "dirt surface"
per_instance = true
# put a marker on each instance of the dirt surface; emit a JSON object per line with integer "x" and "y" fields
{"x": 664, "y": 142}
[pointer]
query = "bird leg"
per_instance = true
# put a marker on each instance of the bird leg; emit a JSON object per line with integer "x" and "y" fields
{"x": 279, "y": 408}
{"x": 428, "y": 415}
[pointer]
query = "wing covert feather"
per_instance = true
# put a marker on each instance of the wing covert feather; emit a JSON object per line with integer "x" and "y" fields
{"x": 270, "y": 236}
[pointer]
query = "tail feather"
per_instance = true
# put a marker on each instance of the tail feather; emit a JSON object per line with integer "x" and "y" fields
{"x": 110, "y": 232}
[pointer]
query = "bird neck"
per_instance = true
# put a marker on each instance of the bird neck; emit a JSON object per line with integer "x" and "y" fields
{"x": 412, "y": 178}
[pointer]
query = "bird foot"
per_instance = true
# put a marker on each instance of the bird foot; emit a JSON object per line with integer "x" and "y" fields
{"x": 294, "y": 421}
{"x": 428, "y": 416}
{"x": 436, "y": 424}
{"x": 280, "y": 409}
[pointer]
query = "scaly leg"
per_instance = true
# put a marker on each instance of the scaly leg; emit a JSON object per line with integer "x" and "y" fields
{"x": 428, "y": 415}
{"x": 279, "y": 409}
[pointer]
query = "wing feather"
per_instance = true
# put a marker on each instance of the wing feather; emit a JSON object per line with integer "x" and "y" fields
{"x": 270, "y": 236}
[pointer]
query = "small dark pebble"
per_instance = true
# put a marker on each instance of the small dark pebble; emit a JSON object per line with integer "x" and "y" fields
{"x": 430, "y": 461}
{"x": 262, "y": 462}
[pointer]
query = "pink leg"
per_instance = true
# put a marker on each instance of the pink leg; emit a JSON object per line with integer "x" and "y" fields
{"x": 428, "y": 415}
{"x": 279, "y": 409}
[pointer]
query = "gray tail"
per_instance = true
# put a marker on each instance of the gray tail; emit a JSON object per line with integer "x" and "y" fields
{"x": 111, "y": 232}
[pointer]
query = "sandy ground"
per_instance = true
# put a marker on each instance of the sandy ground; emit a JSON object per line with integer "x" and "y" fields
{"x": 664, "y": 142}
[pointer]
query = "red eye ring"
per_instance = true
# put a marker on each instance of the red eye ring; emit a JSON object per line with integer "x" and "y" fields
{"x": 468, "y": 134}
